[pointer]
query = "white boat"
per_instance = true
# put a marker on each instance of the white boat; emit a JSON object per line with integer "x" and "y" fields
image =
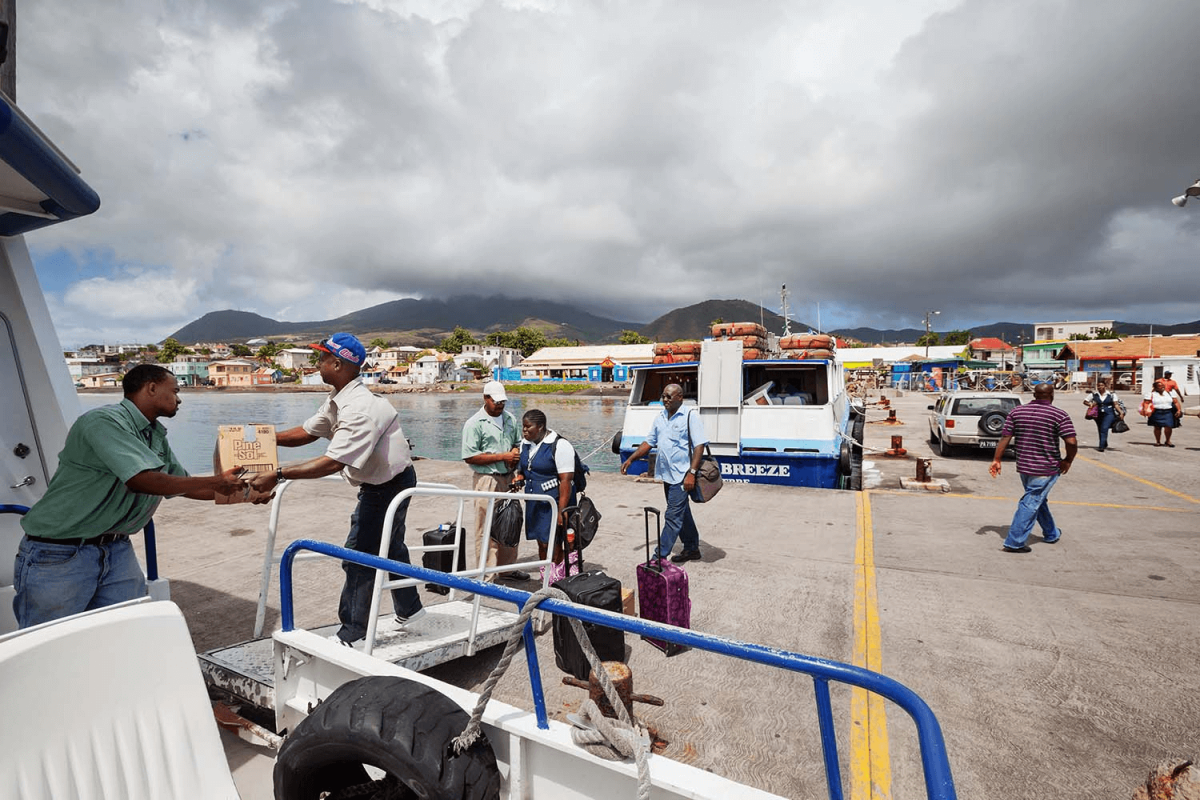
{"x": 773, "y": 420}
{"x": 112, "y": 704}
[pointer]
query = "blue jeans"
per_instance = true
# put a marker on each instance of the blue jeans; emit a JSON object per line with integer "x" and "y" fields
{"x": 57, "y": 580}
{"x": 366, "y": 533}
{"x": 1104, "y": 423}
{"x": 1034, "y": 507}
{"x": 679, "y": 523}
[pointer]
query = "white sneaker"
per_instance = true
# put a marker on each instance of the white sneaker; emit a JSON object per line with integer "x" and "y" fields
{"x": 403, "y": 621}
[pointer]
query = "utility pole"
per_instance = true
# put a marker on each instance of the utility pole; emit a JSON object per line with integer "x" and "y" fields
{"x": 928, "y": 316}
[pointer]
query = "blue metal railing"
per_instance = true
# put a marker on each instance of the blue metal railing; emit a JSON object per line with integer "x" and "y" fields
{"x": 151, "y": 544}
{"x": 939, "y": 784}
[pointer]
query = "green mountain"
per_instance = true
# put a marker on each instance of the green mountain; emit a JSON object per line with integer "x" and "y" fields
{"x": 695, "y": 321}
{"x": 416, "y": 322}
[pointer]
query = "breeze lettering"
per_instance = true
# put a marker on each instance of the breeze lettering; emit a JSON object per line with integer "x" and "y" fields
{"x": 757, "y": 470}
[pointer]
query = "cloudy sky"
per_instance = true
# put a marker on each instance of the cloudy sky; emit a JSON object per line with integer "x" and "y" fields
{"x": 995, "y": 159}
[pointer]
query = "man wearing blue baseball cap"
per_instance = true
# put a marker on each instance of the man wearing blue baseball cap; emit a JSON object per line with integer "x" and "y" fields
{"x": 368, "y": 447}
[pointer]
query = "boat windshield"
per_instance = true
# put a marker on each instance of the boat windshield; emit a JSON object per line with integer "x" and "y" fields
{"x": 785, "y": 385}
{"x": 649, "y": 384}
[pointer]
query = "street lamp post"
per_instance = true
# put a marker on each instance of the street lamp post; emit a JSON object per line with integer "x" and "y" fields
{"x": 928, "y": 316}
{"x": 1191, "y": 191}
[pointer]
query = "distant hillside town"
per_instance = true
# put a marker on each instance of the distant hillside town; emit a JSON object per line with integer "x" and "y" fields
{"x": 1081, "y": 351}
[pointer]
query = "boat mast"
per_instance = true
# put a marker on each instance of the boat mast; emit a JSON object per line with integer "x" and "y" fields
{"x": 787, "y": 323}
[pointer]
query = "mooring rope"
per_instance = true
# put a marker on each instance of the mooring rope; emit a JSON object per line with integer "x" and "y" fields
{"x": 611, "y": 739}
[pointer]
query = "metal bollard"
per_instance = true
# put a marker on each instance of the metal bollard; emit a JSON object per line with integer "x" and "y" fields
{"x": 924, "y": 469}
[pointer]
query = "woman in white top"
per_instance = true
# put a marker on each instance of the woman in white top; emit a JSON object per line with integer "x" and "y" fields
{"x": 547, "y": 466}
{"x": 1165, "y": 413}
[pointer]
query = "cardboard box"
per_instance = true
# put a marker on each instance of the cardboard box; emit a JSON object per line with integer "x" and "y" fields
{"x": 249, "y": 446}
{"x": 627, "y": 604}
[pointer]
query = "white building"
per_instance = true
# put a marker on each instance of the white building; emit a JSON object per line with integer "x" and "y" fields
{"x": 387, "y": 358}
{"x": 1055, "y": 331}
{"x": 491, "y": 355}
{"x": 434, "y": 368}
{"x": 82, "y": 366}
{"x": 293, "y": 357}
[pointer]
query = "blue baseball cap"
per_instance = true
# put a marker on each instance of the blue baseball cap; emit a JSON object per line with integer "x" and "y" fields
{"x": 345, "y": 347}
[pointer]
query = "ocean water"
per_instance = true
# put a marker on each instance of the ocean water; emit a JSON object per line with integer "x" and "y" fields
{"x": 432, "y": 421}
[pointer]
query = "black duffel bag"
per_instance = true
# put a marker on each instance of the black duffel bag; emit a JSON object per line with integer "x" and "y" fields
{"x": 507, "y": 520}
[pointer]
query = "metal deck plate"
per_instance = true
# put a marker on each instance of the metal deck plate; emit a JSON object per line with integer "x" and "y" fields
{"x": 246, "y": 669}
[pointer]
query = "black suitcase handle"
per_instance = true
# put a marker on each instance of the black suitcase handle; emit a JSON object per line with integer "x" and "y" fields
{"x": 569, "y": 533}
{"x": 648, "y": 510}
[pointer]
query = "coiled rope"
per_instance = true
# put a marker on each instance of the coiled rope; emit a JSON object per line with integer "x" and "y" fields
{"x": 610, "y": 739}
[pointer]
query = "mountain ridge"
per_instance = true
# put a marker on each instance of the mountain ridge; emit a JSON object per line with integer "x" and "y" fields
{"x": 425, "y": 322}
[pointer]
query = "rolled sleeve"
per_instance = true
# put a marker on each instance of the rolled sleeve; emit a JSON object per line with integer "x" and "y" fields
{"x": 320, "y": 424}
{"x": 472, "y": 440}
{"x": 696, "y": 429}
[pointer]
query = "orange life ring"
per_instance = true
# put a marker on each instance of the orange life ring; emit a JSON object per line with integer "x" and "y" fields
{"x": 815, "y": 353}
{"x": 739, "y": 329}
{"x": 807, "y": 341}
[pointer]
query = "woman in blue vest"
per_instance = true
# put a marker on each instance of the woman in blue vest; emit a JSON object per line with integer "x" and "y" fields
{"x": 1108, "y": 409}
{"x": 547, "y": 466}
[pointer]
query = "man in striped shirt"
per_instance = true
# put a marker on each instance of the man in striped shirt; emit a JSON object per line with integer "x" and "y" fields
{"x": 1037, "y": 427}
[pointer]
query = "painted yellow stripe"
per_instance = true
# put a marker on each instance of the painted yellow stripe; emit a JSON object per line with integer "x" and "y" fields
{"x": 870, "y": 763}
{"x": 1132, "y": 477}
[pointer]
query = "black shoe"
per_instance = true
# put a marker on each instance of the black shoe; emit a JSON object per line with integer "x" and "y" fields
{"x": 515, "y": 575}
{"x": 1022, "y": 549}
{"x": 685, "y": 556}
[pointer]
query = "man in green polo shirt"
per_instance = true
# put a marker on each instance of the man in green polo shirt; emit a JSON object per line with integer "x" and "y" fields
{"x": 112, "y": 473}
{"x": 489, "y": 446}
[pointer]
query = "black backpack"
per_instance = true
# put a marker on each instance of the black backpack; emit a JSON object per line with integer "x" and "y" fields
{"x": 579, "y": 481}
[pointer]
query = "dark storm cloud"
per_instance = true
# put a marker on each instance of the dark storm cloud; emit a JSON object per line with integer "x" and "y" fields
{"x": 994, "y": 160}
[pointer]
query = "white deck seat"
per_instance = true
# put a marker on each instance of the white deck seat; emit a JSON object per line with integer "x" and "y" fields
{"x": 108, "y": 704}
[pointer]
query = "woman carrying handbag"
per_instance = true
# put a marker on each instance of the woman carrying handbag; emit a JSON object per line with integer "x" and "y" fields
{"x": 1103, "y": 410}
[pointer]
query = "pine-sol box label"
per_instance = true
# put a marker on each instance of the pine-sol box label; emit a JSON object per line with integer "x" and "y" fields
{"x": 251, "y": 447}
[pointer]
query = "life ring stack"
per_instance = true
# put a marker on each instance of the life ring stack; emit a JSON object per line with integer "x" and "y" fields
{"x": 754, "y": 338}
{"x": 807, "y": 345}
{"x": 677, "y": 352}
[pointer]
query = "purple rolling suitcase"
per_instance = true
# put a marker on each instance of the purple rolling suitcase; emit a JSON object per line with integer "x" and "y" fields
{"x": 662, "y": 590}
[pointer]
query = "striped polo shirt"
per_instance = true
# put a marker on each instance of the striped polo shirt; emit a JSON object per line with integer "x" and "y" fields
{"x": 1036, "y": 428}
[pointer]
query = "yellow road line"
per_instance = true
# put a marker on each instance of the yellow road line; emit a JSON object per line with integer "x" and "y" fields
{"x": 870, "y": 764}
{"x": 1151, "y": 484}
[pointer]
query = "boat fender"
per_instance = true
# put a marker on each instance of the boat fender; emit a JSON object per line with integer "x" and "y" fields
{"x": 616, "y": 443}
{"x": 845, "y": 458}
{"x": 394, "y": 724}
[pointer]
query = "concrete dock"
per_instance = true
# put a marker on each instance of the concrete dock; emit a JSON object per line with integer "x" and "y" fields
{"x": 1067, "y": 672}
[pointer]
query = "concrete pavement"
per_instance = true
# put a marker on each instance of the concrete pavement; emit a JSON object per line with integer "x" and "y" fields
{"x": 1065, "y": 672}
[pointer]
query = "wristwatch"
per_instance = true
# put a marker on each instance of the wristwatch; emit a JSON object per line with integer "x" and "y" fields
{"x": 694, "y": 471}
{"x": 279, "y": 475}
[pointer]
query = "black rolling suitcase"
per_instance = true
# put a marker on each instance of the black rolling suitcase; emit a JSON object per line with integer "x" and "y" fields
{"x": 441, "y": 560}
{"x": 597, "y": 590}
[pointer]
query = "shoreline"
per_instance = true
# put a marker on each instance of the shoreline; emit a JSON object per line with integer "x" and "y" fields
{"x": 606, "y": 391}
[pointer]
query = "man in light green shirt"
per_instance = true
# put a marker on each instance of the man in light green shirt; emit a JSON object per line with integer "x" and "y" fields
{"x": 489, "y": 446}
{"x": 112, "y": 473}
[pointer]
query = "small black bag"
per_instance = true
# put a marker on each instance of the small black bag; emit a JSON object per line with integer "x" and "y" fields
{"x": 584, "y": 519}
{"x": 1120, "y": 426}
{"x": 507, "y": 520}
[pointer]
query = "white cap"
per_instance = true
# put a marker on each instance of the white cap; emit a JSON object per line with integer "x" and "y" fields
{"x": 495, "y": 390}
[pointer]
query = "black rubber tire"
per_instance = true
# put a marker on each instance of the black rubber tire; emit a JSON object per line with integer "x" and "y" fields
{"x": 991, "y": 422}
{"x": 944, "y": 450}
{"x": 856, "y": 457}
{"x": 932, "y": 436}
{"x": 393, "y": 724}
{"x": 845, "y": 457}
{"x": 616, "y": 443}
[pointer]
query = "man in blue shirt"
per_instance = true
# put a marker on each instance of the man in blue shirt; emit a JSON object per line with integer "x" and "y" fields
{"x": 679, "y": 437}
